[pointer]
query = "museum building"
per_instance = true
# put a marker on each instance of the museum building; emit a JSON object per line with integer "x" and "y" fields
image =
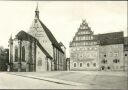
{"x": 107, "y": 51}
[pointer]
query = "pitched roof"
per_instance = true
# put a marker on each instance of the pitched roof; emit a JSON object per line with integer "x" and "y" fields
{"x": 110, "y": 38}
{"x": 126, "y": 40}
{"x": 126, "y": 43}
{"x": 51, "y": 37}
{"x": 22, "y": 35}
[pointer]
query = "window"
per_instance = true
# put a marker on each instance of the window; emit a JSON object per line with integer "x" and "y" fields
{"x": 116, "y": 60}
{"x": 35, "y": 20}
{"x": 115, "y": 54}
{"x": 125, "y": 54}
{"x": 74, "y": 64}
{"x": 104, "y": 55}
{"x": 16, "y": 54}
{"x": 23, "y": 53}
{"x": 80, "y": 64}
{"x": 94, "y": 64}
{"x": 87, "y": 64}
{"x": 108, "y": 67}
{"x": 104, "y": 61}
{"x": 39, "y": 62}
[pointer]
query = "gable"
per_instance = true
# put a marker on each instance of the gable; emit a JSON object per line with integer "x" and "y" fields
{"x": 37, "y": 31}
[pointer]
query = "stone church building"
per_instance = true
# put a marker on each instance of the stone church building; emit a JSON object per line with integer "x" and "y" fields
{"x": 107, "y": 51}
{"x": 36, "y": 50}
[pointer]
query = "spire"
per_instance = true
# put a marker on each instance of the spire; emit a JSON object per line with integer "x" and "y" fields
{"x": 11, "y": 37}
{"x": 37, "y": 12}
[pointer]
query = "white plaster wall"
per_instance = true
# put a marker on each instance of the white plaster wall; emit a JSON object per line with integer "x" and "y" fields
{"x": 40, "y": 56}
{"x": 38, "y": 32}
{"x": 90, "y": 56}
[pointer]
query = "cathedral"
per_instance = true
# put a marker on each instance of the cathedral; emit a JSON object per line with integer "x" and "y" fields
{"x": 36, "y": 50}
{"x": 108, "y": 52}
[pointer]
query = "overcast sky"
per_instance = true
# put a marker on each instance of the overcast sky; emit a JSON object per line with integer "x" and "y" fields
{"x": 62, "y": 17}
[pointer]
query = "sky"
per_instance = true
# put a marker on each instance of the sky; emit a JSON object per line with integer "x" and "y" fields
{"x": 62, "y": 17}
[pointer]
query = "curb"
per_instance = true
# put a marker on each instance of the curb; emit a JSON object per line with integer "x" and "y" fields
{"x": 50, "y": 80}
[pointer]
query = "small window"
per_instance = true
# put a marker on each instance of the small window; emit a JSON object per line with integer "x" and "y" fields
{"x": 105, "y": 55}
{"x": 74, "y": 64}
{"x": 80, "y": 64}
{"x": 104, "y": 61}
{"x": 94, "y": 64}
{"x": 35, "y": 20}
{"x": 23, "y": 53}
{"x": 125, "y": 54}
{"x": 115, "y": 54}
{"x": 87, "y": 64}
{"x": 116, "y": 60}
{"x": 108, "y": 67}
{"x": 39, "y": 62}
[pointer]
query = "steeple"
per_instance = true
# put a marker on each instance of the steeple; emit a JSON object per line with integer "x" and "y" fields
{"x": 37, "y": 12}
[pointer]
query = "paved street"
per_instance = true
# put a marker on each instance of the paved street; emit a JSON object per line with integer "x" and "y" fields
{"x": 64, "y": 80}
{"x": 8, "y": 81}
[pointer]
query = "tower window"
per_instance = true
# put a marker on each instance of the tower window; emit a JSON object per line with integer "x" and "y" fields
{"x": 125, "y": 54}
{"x": 35, "y": 20}
{"x": 105, "y": 55}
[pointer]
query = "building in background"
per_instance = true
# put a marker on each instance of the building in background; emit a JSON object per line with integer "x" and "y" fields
{"x": 84, "y": 49}
{"x": 37, "y": 49}
{"x": 97, "y": 52}
{"x": 68, "y": 64}
{"x": 126, "y": 53}
{"x": 4, "y": 59}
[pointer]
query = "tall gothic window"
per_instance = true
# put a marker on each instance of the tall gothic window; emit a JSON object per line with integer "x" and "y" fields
{"x": 16, "y": 54}
{"x": 23, "y": 53}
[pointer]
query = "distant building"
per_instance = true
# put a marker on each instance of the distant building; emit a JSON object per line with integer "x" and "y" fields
{"x": 126, "y": 53}
{"x": 67, "y": 64}
{"x": 4, "y": 59}
{"x": 97, "y": 52}
{"x": 36, "y": 50}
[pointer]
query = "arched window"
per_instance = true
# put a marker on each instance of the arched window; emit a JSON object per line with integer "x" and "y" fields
{"x": 80, "y": 64}
{"x": 94, "y": 64}
{"x": 87, "y": 64}
{"x": 16, "y": 54}
{"x": 75, "y": 64}
{"x": 23, "y": 53}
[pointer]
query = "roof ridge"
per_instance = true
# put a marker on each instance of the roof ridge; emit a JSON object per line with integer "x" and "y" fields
{"x": 28, "y": 37}
{"x": 50, "y": 36}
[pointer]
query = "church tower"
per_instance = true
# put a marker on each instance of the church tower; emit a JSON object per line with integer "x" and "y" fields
{"x": 37, "y": 12}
